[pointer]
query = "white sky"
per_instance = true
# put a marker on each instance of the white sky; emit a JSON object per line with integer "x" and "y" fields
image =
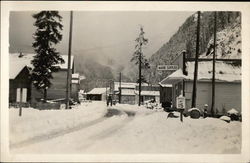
{"x": 102, "y": 34}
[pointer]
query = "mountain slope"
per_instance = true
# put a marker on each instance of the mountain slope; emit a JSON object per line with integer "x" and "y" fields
{"x": 228, "y": 27}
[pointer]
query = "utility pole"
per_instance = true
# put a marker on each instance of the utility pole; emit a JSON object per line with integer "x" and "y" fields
{"x": 139, "y": 71}
{"x": 106, "y": 91}
{"x": 120, "y": 87}
{"x": 69, "y": 62}
{"x": 196, "y": 62}
{"x": 214, "y": 55}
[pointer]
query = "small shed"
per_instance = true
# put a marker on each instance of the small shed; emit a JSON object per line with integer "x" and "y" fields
{"x": 97, "y": 94}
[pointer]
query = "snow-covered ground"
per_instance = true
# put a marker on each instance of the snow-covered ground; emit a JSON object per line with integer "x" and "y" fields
{"x": 95, "y": 128}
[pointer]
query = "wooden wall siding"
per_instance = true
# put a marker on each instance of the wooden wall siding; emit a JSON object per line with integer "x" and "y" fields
{"x": 165, "y": 94}
{"x": 21, "y": 80}
{"x": 97, "y": 97}
{"x": 148, "y": 88}
{"x": 57, "y": 89}
{"x": 74, "y": 91}
{"x": 128, "y": 99}
{"x": 227, "y": 95}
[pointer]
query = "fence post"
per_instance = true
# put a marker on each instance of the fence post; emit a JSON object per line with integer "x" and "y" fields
{"x": 20, "y": 103}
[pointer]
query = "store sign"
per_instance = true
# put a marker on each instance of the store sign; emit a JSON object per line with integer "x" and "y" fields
{"x": 180, "y": 102}
{"x": 167, "y": 67}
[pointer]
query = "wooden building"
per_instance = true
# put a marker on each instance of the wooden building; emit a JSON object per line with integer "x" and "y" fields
{"x": 19, "y": 76}
{"x": 127, "y": 92}
{"x": 98, "y": 94}
{"x": 16, "y": 82}
{"x": 148, "y": 92}
{"x": 59, "y": 83}
{"x": 75, "y": 86}
{"x": 227, "y": 84}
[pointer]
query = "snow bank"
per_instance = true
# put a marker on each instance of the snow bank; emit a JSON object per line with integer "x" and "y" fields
{"x": 155, "y": 133}
{"x": 34, "y": 122}
{"x": 144, "y": 131}
{"x": 233, "y": 111}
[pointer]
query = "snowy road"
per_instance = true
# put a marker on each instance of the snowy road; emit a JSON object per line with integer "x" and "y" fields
{"x": 95, "y": 128}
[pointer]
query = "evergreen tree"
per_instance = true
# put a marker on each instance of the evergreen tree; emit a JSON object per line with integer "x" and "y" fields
{"x": 47, "y": 35}
{"x": 138, "y": 55}
{"x": 139, "y": 58}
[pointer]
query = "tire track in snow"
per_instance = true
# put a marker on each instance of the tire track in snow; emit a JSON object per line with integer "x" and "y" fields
{"x": 109, "y": 131}
{"x": 54, "y": 134}
{"x": 57, "y": 133}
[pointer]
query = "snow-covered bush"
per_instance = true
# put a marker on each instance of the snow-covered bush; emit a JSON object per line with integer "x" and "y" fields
{"x": 225, "y": 118}
{"x": 233, "y": 114}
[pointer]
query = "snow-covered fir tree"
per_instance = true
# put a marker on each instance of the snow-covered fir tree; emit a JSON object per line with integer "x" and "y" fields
{"x": 138, "y": 54}
{"x": 47, "y": 35}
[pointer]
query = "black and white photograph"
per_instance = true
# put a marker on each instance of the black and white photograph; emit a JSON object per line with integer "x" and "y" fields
{"x": 130, "y": 81}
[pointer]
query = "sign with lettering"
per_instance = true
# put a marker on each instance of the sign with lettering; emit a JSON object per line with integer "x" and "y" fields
{"x": 167, "y": 67}
{"x": 180, "y": 102}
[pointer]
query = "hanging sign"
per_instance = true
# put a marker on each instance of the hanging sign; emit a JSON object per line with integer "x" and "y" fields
{"x": 167, "y": 67}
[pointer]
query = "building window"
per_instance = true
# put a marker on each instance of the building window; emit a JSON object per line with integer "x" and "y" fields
{"x": 24, "y": 94}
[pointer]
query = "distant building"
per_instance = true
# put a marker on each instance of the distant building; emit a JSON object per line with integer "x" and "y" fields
{"x": 75, "y": 86}
{"x": 19, "y": 77}
{"x": 227, "y": 84}
{"x": 127, "y": 92}
{"x": 97, "y": 94}
{"x": 148, "y": 92}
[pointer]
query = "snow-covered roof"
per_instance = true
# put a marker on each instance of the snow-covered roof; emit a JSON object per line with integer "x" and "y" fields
{"x": 82, "y": 77}
{"x": 98, "y": 91}
{"x": 20, "y": 62}
{"x": 76, "y": 75}
{"x": 173, "y": 78}
{"x": 74, "y": 81}
{"x": 165, "y": 85}
{"x": 65, "y": 64}
{"x": 223, "y": 71}
{"x": 128, "y": 92}
{"x": 149, "y": 93}
{"x": 124, "y": 85}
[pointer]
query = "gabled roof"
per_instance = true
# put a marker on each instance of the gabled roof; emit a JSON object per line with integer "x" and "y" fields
{"x": 18, "y": 63}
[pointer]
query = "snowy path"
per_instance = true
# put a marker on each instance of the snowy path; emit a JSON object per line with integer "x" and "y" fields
{"x": 95, "y": 128}
{"x": 100, "y": 132}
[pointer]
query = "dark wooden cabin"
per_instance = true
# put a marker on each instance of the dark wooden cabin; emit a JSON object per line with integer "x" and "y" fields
{"x": 21, "y": 80}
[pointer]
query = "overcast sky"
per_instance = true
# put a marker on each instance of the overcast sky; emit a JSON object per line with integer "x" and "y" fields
{"x": 102, "y": 34}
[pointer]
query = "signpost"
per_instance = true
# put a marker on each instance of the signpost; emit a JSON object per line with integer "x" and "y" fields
{"x": 180, "y": 102}
{"x": 167, "y": 67}
{"x": 21, "y": 97}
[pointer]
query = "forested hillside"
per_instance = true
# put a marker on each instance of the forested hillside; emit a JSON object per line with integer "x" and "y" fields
{"x": 228, "y": 40}
{"x": 97, "y": 75}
